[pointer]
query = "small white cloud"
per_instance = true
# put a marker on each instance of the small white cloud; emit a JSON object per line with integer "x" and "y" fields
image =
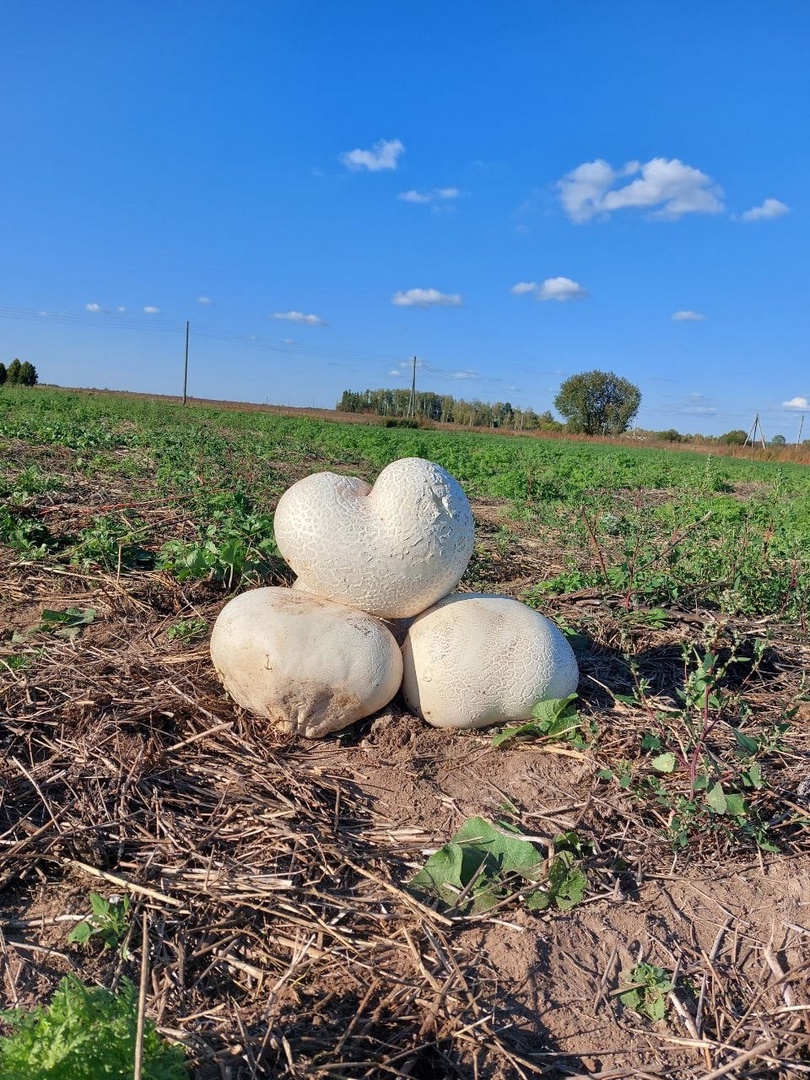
{"x": 666, "y": 187}
{"x": 204, "y": 300}
{"x": 149, "y": 310}
{"x": 120, "y": 309}
{"x": 433, "y": 196}
{"x": 426, "y": 298}
{"x": 383, "y": 155}
{"x": 464, "y": 375}
{"x": 414, "y": 196}
{"x": 771, "y": 208}
{"x": 796, "y": 403}
{"x": 556, "y": 288}
{"x": 561, "y": 288}
{"x": 300, "y": 317}
{"x": 97, "y": 309}
{"x": 699, "y": 410}
{"x": 688, "y": 316}
{"x": 395, "y": 373}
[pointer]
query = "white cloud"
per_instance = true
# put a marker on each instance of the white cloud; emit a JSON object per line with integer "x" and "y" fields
{"x": 204, "y": 300}
{"x": 433, "y": 196}
{"x": 464, "y": 375}
{"x": 383, "y": 155}
{"x": 771, "y": 208}
{"x": 120, "y": 309}
{"x": 666, "y": 187}
{"x": 300, "y": 317}
{"x": 149, "y": 310}
{"x": 557, "y": 288}
{"x": 699, "y": 410}
{"x": 688, "y": 316}
{"x": 395, "y": 373}
{"x": 427, "y": 298}
{"x": 97, "y": 309}
{"x": 796, "y": 403}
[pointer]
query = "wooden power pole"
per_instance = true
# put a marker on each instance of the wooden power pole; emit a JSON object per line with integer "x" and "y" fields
{"x": 412, "y": 402}
{"x": 185, "y": 368}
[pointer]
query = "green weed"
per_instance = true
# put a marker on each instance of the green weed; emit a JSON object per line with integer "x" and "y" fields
{"x": 646, "y": 990}
{"x": 552, "y": 719}
{"x": 108, "y": 922}
{"x": 483, "y": 865}
{"x": 187, "y": 630}
{"x": 85, "y": 1033}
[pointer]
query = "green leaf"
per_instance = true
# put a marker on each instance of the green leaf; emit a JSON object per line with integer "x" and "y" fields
{"x": 80, "y": 933}
{"x": 100, "y": 906}
{"x": 746, "y": 743}
{"x": 478, "y": 857}
{"x": 664, "y": 763}
{"x": 716, "y": 799}
{"x": 752, "y": 776}
{"x": 735, "y": 806}
{"x": 552, "y": 719}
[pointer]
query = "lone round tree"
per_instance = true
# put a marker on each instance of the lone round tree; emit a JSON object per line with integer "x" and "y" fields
{"x": 598, "y": 403}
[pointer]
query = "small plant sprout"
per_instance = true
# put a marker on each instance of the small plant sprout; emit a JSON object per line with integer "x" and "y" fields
{"x": 187, "y": 630}
{"x": 108, "y": 922}
{"x": 645, "y": 991}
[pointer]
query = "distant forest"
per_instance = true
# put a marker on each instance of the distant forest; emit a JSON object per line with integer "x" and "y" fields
{"x": 446, "y": 409}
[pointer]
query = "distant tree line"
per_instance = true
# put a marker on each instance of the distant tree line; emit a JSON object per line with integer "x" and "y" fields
{"x": 445, "y": 409}
{"x": 18, "y": 374}
{"x": 593, "y": 403}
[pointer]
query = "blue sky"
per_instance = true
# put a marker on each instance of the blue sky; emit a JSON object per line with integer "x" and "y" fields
{"x": 514, "y": 192}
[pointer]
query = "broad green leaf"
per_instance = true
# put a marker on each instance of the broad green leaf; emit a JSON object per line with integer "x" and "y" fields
{"x": 735, "y": 805}
{"x": 664, "y": 763}
{"x": 511, "y": 854}
{"x": 753, "y": 776}
{"x": 441, "y": 875}
{"x": 80, "y": 933}
{"x": 478, "y": 856}
{"x": 716, "y": 799}
{"x": 747, "y": 744}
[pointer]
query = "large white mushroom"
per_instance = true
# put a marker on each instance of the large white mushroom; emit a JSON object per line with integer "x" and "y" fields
{"x": 476, "y": 659}
{"x": 310, "y": 665}
{"x": 391, "y": 550}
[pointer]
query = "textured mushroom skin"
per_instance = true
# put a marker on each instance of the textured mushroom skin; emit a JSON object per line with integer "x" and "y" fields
{"x": 391, "y": 550}
{"x": 310, "y": 665}
{"x": 476, "y": 659}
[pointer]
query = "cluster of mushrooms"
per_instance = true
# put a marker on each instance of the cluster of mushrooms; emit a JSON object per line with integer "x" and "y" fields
{"x": 372, "y": 611}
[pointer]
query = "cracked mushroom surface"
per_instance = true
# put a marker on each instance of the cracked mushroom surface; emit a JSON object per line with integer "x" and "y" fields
{"x": 476, "y": 659}
{"x": 391, "y": 550}
{"x": 310, "y": 665}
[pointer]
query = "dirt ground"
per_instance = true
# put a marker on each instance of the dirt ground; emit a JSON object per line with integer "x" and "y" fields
{"x": 268, "y": 876}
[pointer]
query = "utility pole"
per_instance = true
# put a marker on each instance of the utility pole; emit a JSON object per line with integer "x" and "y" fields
{"x": 799, "y": 436}
{"x": 752, "y": 434}
{"x": 185, "y": 368}
{"x": 412, "y": 402}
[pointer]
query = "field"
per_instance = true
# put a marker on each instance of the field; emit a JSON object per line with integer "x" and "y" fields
{"x": 666, "y": 931}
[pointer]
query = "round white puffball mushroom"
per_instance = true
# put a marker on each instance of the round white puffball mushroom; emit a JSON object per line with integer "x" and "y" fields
{"x": 475, "y": 659}
{"x": 391, "y": 550}
{"x": 310, "y": 665}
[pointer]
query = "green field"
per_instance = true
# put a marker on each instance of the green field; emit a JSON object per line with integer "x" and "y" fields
{"x": 660, "y": 526}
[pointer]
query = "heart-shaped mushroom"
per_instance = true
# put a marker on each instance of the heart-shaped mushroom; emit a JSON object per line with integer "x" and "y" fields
{"x": 476, "y": 659}
{"x": 309, "y": 664}
{"x": 391, "y": 550}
